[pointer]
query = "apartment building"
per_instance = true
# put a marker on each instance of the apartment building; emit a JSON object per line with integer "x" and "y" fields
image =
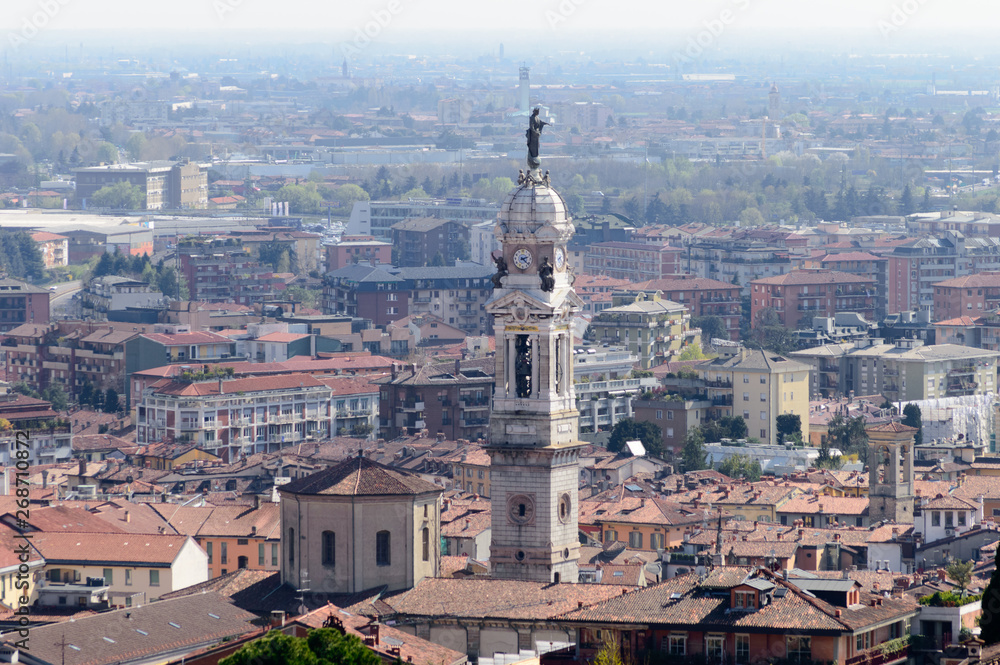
{"x": 971, "y": 295}
{"x": 236, "y": 417}
{"x": 54, "y": 248}
{"x": 113, "y": 293}
{"x": 220, "y": 269}
{"x": 357, "y": 249}
{"x": 800, "y": 295}
{"x": 863, "y": 264}
{"x": 917, "y": 265}
{"x": 135, "y": 568}
{"x": 376, "y": 218}
{"x": 701, "y": 295}
{"x": 605, "y": 387}
{"x": 164, "y": 184}
{"x": 366, "y": 291}
{"x": 21, "y": 302}
{"x": 453, "y": 399}
{"x": 735, "y": 262}
{"x": 419, "y": 241}
{"x": 455, "y": 294}
{"x": 634, "y": 261}
{"x": 909, "y": 370}
{"x": 654, "y": 329}
{"x": 759, "y": 386}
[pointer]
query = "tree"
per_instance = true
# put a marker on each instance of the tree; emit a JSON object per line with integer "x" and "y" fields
{"x": 741, "y": 466}
{"x": 691, "y": 352}
{"x": 961, "y": 573}
{"x": 119, "y": 196}
{"x": 302, "y": 199}
{"x": 325, "y": 646}
{"x": 788, "y": 424}
{"x": 912, "y": 418}
{"x": 609, "y": 653}
{"x": 20, "y": 256}
{"x": 735, "y": 427}
{"x": 57, "y": 397}
{"x": 111, "y": 401}
{"x": 107, "y": 154}
{"x": 989, "y": 623}
{"x": 712, "y": 327}
{"x": 907, "y": 206}
{"x": 693, "y": 453}
{"x": 629, "y": 429}
{"x": 769, "y": 334}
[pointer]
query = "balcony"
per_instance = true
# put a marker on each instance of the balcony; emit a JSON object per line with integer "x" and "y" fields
{"x": 473, "y": 422}
{"x": 718, "y": 383}
{"x": 412, "y": 406}
{"x": 474, "y": 403}
{"x": 881, "y": 656}
{"x": 722, "y": 400}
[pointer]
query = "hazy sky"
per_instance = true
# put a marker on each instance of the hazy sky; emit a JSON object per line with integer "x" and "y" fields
{"x": 339, "y": 18}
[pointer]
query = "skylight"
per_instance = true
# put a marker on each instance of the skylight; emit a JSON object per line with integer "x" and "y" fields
{"x": 74, "y": 647}
{"x": 141, "y": 631}
{"x": 109, "y": 640}
{"x": 214, "y": 616}
{"x": 173, "y": 624}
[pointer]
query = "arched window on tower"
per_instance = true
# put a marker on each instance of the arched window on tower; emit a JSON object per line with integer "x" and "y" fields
{"x": 426, "y": 543}
{"x": 291, "y": 545}
{"x": 382, "y": 549}
{"x": 522, "y": 365}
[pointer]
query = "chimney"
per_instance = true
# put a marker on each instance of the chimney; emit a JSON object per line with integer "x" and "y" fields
{"x": 45, "y": 478}
{"x": 220, "y": 386}
{"x": 579, "y": 604}
{"x": 256, "y": 502}
{"x": 374, "y": 633}
{"x": 458, "y": 367}
{"x": 253, "y": 530}
{"x": 277, "y": 619}
{"x": 82, "y": 467}
{"x": 837, "y": 613}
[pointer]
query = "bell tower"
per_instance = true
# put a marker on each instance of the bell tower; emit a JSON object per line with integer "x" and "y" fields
{"x": 890, "y": 472}
{"x": 533, "y": 446}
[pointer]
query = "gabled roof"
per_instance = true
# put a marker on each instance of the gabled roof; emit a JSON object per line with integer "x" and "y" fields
{"x": 359, "y": 476}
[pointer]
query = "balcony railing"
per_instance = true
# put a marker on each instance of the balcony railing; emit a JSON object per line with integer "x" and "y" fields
{"x": 879, "y": 657}
{"x": 719, "y": 383}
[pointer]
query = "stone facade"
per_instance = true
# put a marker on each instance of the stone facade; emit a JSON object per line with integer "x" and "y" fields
{"x": 534, "y": 443}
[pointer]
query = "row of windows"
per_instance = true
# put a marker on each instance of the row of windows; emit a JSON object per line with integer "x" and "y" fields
{"x": 797, "y": 647}
{"x": 383, "y": 547}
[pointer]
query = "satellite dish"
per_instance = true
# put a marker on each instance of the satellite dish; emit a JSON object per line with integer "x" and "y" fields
{"x": 129, "y": 479}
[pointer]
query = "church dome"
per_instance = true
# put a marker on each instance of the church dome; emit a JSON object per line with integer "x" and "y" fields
{"x": 529, "y": 207}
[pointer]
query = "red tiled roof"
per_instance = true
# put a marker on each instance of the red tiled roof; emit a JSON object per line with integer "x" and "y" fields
{"x": 360, "y": 476}
{"x": 109, "y": 548}
{"x": 232, "y": 386}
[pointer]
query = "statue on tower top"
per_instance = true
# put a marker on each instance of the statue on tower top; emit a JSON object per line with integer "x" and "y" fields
{"x": 534, "y": 134}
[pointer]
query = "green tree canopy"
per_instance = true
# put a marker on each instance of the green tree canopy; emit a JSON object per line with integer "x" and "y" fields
{"x": 741, "y": 466}
{"x": 629, "y": 429}
{"x": 120, "y": 196}
{"x": 913, "y": 418}
{"x": 961, "y": 573}
{"x": 302, "y": 199}
{"x": 693, "y": 454}
{"x": 712, "y": 327}
{"x": 20, "y": 256}
{"x": 788, "y": 425}
{"x": 325, "y": 646}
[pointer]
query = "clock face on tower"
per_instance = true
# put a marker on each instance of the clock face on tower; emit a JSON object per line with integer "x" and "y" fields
{"x": 560, "y": 258}
{"x": 522, "y": 258}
